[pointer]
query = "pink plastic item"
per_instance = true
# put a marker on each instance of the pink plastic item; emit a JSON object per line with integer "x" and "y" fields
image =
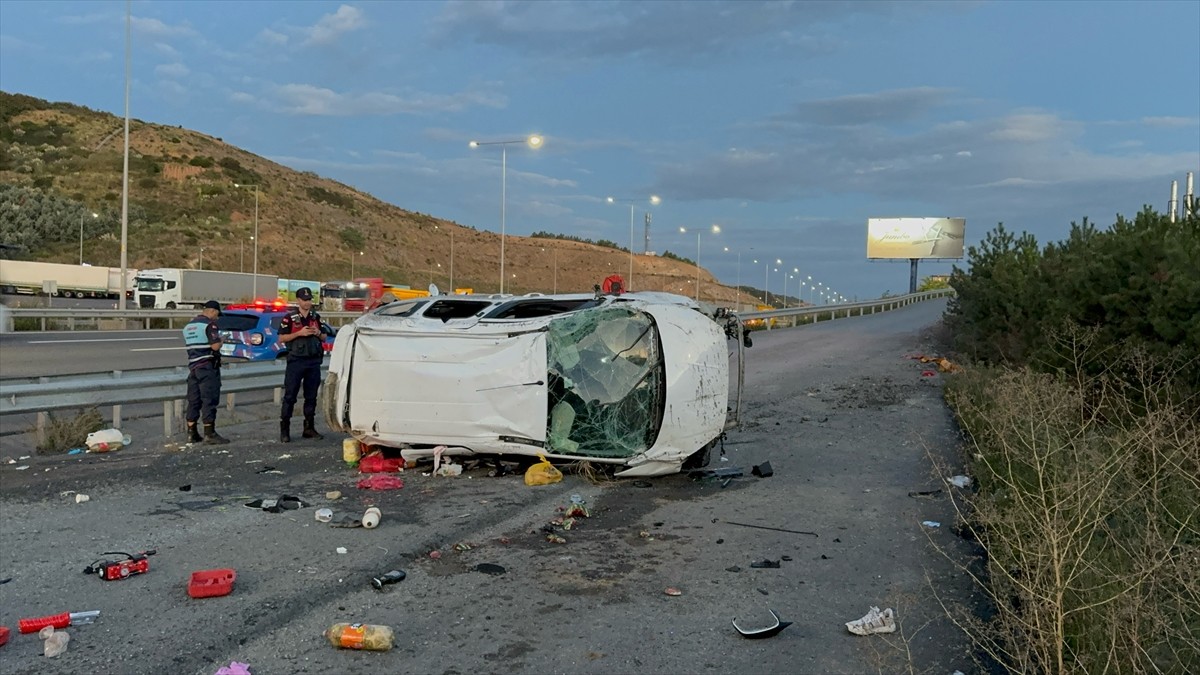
{"x": 380, "y": 481}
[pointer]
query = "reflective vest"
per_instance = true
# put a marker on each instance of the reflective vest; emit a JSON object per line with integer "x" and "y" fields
{"x": 198, "y": 342}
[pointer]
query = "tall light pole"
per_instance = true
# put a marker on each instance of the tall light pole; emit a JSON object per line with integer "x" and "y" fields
{"x": 715, "y": 229}
{"x": 811, "y": 299}
{"x": 94, "y": 215}
{"x": 534, "y": 142}
{"x": 125, "y": 169}
{"x": 255, "y": 237}
{"x": 654, "y": 201}
{"x": 352, "y": 265}
{"x": 201, "y": 257}
{"x": 738, "y": 294}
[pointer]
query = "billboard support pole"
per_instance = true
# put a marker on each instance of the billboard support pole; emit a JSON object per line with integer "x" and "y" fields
{"x": 912, "y": 275}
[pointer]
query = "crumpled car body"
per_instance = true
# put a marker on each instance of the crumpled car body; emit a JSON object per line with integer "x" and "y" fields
{"x": 639, "y": 380}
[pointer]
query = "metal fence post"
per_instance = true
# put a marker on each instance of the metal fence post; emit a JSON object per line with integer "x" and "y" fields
{"x": 168, "y": 419}
{"x": 278, "y": 395}
{"x": 229, "y": 402}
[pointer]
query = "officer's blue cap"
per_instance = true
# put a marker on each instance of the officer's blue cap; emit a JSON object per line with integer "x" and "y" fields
{"x": 213, "y": 304}
{"x": 304, "y": 294}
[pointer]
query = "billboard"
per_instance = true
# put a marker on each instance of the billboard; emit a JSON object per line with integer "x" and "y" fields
{"x": 907, "y": 238}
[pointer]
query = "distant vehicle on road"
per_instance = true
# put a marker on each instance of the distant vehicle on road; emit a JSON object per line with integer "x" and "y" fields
{"x": 171, "y": 288}
{"x": 250, "y": 332}
{"x": 639, "y": 380}
{"x": 28, "y": 277}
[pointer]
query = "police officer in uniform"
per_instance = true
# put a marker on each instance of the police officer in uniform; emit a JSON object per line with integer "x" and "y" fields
{"x": 302, "y": 332}
{"x": 204, "y": 373}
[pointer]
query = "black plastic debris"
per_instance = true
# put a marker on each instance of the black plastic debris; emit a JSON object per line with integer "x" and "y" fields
{"x": 763, "y": 470}
{"x": 393, "y": 577}
{"x": 185, "y": 488}
{"x": 765, "y": 564}
{"x": 762, "y": 590}
{"x": 770, "y": 630}
{"x": 924, "y": 493}
{"x": 265, "y": 469}
{"x": 490, "y": 568}
{"x": 283, "y": 503}
{"x": 346, "y": 520}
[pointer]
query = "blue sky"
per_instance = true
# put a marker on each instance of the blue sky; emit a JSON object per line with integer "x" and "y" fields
{"x": 788, "y": 124}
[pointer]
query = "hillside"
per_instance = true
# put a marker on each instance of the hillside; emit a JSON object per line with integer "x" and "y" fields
{"x": 60, "y": 163}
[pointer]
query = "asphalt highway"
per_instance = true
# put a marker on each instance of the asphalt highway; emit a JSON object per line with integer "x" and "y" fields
{"x": 848, "y": 421}
{"x": 34, "y": 354}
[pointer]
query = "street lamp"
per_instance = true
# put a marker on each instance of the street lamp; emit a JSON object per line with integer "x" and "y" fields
{"x": 352, "y": 265}
{"x": 738, "y": 294}
{"x": 451, "y": 231}
{"x": 534, "y": 142}
{"x": 431, "y": 268}
{"x": 811, "y": 299}
{"x": 654, "y": 201}
{"x": 255, "y": 237}
{"x": 716, "y": 229}
{"x": 94, "y": 215}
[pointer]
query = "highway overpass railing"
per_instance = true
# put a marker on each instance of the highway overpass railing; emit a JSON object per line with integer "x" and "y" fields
{"x": 794, "y": 316}
{"x": 43, "y": 395}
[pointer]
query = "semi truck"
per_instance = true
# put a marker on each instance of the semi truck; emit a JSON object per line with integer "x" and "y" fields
{"x": 70, "y": 281}
{"x": 171, "y": 288}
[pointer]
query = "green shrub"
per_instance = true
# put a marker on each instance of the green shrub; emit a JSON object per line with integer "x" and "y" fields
{"x": 64, "y": 434}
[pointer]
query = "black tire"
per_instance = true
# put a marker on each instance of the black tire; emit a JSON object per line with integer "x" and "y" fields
{"x": 700, "y": 458}
{"x": 170, "y": 305}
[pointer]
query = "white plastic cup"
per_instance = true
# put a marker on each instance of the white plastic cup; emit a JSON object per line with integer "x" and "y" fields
{"x": 324, "y": 515}
{"x": 370, "y": 519}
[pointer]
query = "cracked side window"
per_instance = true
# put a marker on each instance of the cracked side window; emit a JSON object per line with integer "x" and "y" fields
{"x": 606, "y": 381}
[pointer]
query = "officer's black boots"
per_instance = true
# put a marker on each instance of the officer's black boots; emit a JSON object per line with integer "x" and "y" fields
{"x": 193, "y": 433}
{"x": 211, "y": 437}
{"x": 310, "y": 429}
{"x": 285, "y": 431}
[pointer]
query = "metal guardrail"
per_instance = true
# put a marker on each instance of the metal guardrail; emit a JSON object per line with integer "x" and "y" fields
{"x": 117, "y": 319}
{"x": 42, "y": 395}
{"x": 793, "y": 316}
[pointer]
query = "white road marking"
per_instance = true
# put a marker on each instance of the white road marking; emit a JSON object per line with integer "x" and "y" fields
{"x": 63, "y": 342}
{"x": 158, "y": 349}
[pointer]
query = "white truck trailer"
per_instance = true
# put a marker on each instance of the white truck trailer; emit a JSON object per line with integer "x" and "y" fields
{"x": 70, "y": 281}
{"x": 171, "y": 288}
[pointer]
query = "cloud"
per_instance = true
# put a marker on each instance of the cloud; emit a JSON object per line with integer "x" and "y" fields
{"x": 167, "y": 50}
{"x": 156, "y": 28}
{"x": 272, "y": 38}
{"x": 1171, "y": 122}
{"x": 171, "y": 70}
{"x": 331, "y": 27}
{"x": 307, "y": 99}
{"x": 1032, "y": 128}
{"x": 670, "y": 30}
{"x": 897, "y": 105}
{"x": 242, "y": 97}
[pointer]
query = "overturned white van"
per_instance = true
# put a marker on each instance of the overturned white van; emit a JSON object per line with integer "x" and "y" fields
{"x": 639, "y": 380}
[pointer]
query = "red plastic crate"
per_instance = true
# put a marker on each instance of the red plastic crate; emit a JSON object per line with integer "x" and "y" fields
{"x": 211, "y": 583}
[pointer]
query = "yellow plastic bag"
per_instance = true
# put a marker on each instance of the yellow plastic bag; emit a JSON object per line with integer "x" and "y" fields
{"x": 542, "y": 473}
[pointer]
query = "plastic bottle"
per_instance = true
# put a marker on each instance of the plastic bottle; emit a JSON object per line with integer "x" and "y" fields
{"x": 360, "y": 636}
{"x": 371, "y": 518}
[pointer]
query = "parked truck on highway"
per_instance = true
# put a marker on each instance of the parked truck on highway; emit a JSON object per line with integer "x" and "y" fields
{"x": 70, "y": 281}
{"x": 171, "y": 288}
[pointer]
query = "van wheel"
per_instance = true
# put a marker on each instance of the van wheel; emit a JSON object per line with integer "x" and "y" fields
{"x": 700, "y": 458}
{"x": 170, "y": 305}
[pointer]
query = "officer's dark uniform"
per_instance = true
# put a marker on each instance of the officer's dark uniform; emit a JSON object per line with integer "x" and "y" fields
{"x": 303, "y": 367}
{"x": 204, "y": 375}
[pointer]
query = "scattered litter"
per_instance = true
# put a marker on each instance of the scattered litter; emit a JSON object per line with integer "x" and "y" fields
{"x": 645, "y": 535}
{"x": 211, "y": 583}
{"x": 252, "y": 461}
{"x": 960, "y": 481}
{"x": 21, "y": 468}
{"x": 765, "y": 564}
{"x": 393, "y": 577}
{"x": 333, "y": 495}
{"x": 763, "y": 470}
{"x": 462, "y": 546}
{"x": 351, "y": 451}
{"x": 375, "y": 462}
{"x": 234, "y": 668}
{"x": 341, "y": 550}
{"x": 346, "y": 520}
{"x": 435, "y": 555}
{"x": 931, "y": 523}
{"x": 642, "y": 484}
{"x": 370, "y": 519}
{"x": 731, "y": 472}
{"x": 56, "y": 641}
{"x": 771, "y": 630}
{"x": 925, "y": 493}
{"x": 450, "y": 469}
{"x": 284, "y": 456}
{"x": 5, "y": 580}
{"x": 773, "y": 529}
{"x": 66, "y": 493}
{"x": 380, "y": 481}
{"x": 283, "y": 503}
{"x": 928, "y": 373}
{"x": 360, "y": 636}
{"x": 577, "y": 509}
{"x": 79, "y": 499}
{"x": 324, "y": 515}
{"x": 9, "y": 460}
{"x": 266, "y": 469}
{"x": 490, "y": 568}
{"x": 735, "y": 568}
{"x": 874, "y": 621}
{"x": 107, "y": 440}
{"x": 542, "y": 473}
{"x": 185, "y": 488}
{"x": 672, "y": 591}
{"x": 3, "y": 635}
{"x": 76, "y": 451}
{"x": 555, "y": 539}
{"x": 724, "y": 459}
{"x": 504, "y": 540}
{"x": 437, "y": 457}
{"x": 788, "y": 558}
{"x": 24, "y": 457}
{"x": 762, "y": 590}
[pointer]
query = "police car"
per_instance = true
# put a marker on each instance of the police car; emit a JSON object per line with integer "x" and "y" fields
{"x": 251, "y": 331}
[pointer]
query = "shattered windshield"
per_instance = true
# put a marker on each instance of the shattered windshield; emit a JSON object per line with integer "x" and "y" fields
{"x": 606, "y": 383}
